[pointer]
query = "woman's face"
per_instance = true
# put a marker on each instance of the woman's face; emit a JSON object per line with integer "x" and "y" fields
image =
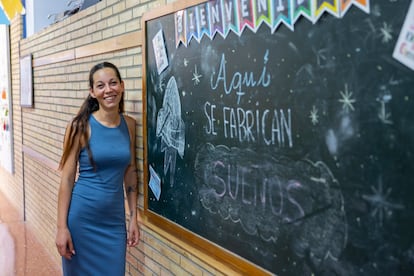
{"x": 107, "y": 89}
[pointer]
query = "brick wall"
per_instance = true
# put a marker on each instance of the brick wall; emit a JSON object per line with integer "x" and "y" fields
{"x": 11, "y": 184}
{"x": 62, "y": 56}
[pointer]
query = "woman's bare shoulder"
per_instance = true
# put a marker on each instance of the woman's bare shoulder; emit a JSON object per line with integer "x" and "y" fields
{"x": 130, "y": 120}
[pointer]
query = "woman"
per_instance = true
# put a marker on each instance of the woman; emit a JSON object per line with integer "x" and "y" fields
{"x": 100, "y": 142}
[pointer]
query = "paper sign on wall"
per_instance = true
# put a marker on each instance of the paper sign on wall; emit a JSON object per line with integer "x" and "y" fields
{"x": 160, "y": 52}
{"x": 404, "y": 49}
{"x": 155, "y": 183}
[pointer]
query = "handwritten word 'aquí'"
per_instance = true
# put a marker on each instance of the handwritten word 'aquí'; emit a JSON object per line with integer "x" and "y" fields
{"x": 273, "y": 127}
{"x": 240, "y": 80}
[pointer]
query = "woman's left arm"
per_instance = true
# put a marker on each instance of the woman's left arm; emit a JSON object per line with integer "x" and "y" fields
{"x": 131, "y": 187}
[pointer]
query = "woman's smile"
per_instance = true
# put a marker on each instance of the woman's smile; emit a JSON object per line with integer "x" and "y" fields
{"x": 110, "y": 98}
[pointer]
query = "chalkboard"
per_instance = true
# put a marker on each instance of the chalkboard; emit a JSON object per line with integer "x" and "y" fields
{"x": 291, "y": 146}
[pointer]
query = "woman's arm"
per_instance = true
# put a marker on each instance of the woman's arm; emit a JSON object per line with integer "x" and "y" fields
{"x": 63, "y": 238}
{"x": 131, "y": 186}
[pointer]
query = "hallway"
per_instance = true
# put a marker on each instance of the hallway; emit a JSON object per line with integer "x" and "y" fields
{"x": 21, "y": 253}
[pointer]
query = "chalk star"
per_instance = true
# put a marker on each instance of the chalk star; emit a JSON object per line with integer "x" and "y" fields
{"x": 196, "y": 76}
{"x": 380, "y": 203}
{"x": 314, "y": 115}
{"x": 185, "y": 62}
{"x": 346, "y": 99}
{"x": 386, "y": 32}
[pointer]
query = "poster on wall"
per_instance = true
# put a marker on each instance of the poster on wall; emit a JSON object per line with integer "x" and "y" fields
{"x": 6, "y": 137}
{"x": 26, "y": 81}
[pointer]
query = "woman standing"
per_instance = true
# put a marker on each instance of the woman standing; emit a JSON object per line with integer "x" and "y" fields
{"x": 100, "y": 142}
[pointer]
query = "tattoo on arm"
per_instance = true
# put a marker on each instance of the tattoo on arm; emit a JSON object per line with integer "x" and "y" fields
{"x": 131, "y": 189}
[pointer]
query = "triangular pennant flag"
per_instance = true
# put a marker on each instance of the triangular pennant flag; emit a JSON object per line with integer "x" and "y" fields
{"x": 346, "y": 4}
{"x": 11, "y": 8}
{"x": 331, "y": 6}
{"x": 3, "y": 18}
{"x": 282, "y": 13}
{"x": 303, "y": 8}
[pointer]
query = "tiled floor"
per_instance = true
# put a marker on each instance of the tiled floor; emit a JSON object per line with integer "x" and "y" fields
{"x": 21, "y": 254}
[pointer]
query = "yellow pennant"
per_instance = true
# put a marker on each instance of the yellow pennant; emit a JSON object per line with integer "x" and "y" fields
{"x": 11, "y": 8}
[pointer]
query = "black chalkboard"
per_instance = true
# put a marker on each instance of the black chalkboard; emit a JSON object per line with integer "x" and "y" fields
{"x": 291, "y": 148}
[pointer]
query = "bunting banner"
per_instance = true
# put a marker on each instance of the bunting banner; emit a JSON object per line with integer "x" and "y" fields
{"x": 9, "y": 9}
{"x": 330, "y": 6}
{"x": 230, "y": 18}
{"x": 225, "y": 16}
{"x": 346, "y": 4}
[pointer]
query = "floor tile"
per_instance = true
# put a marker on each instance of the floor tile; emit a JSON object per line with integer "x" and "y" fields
{"x": 20, "y": 250}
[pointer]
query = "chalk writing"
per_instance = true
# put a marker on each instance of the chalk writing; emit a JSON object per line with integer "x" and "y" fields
{"x": 239, "y": 80}
{"x": 268, "y": 192}
{"x": 272, "y": 197}
{"x": 272, "y": 127}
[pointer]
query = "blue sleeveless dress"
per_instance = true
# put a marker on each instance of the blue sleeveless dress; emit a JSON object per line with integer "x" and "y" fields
{"x": 96, "y": 217}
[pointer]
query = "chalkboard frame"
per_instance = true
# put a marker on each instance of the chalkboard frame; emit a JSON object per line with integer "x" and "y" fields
{"x": 343, "y": 177}
{"x": 226, "y": 257}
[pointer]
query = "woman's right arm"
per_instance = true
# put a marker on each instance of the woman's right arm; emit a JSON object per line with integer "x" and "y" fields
{"x": 63, "y": 238}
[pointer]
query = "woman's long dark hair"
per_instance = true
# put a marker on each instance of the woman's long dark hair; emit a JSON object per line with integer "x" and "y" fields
{"x": 80, "y": 123}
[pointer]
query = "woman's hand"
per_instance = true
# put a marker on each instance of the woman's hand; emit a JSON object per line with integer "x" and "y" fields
{"x": 64, "y": 243}
{"x": 133, "y": 234}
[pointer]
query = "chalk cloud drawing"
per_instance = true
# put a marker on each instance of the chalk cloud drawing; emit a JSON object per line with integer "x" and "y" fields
{"x": 171, "y": 128}
{"x": 280, "y": 200}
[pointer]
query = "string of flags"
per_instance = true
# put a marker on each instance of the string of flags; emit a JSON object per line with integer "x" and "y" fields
{"x": 225, "y": 16}
{"x": 9, "y": 9}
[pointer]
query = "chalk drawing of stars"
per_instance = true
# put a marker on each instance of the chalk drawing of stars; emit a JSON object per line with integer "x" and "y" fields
{"x": 347, "y": 100}
{"x": 386, "y": 32}
{"x": 380, "y": 204}
{"x": 314, "y": 115}
{"x": 196, "y": 76}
